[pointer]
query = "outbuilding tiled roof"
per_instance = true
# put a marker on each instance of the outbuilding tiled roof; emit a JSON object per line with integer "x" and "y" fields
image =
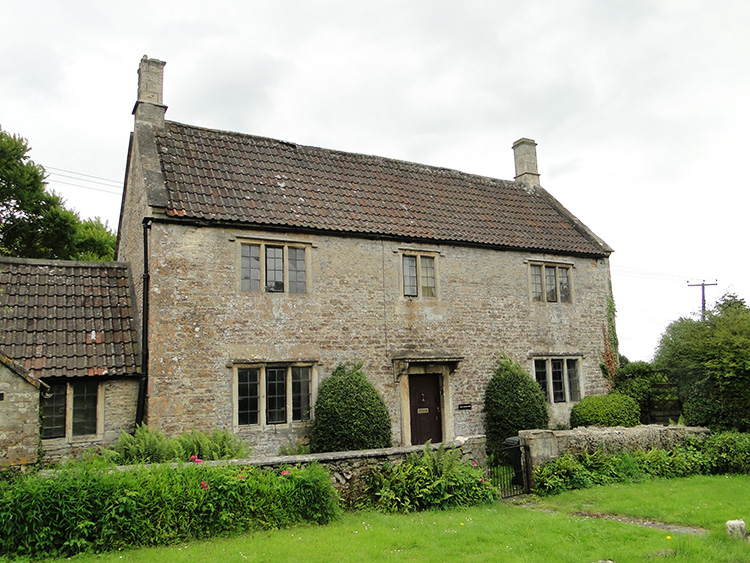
{"x": 232, "y": 177}
{"x": 60, "y": 318}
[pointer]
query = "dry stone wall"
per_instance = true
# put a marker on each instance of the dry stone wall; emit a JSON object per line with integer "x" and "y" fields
{"x": 543, "y": 445}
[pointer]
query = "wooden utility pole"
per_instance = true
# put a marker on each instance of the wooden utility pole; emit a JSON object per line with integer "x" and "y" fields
{"x": 703, "y": 285}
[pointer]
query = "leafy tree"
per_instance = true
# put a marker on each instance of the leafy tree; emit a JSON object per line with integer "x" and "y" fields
{"x": 710, "y": 360}
{"x": 513, "y": 401}
{"x": 34, "y": 223}
{"x": 350, "y": 414}
{"x": 95, "y": 241}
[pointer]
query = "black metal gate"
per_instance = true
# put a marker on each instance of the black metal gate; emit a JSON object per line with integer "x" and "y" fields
{"x": 508, "y": 470}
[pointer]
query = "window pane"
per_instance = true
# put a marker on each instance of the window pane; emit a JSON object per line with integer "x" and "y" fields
{"x": 564, "y": 276}
{"x": 53, "y": 412}
{"x": 247, "y": 396}
{"x": 410, "y": 276}
{"x": 250, "y": 271}
{"x": 427, "y": 267}
{"x": 85, "y": 395}
{"x": 558, "y": 387}
{"x": 275, "y": 395}
{"x": 540, "y": 371}
{"x": 301, "y": 393}
{"x": 573, "y": 381}
{"x": 275, "y": 269}
{"x": 536, "y": 283}
{"x": 550, "y": 282}
{"x": 297, "y": 276}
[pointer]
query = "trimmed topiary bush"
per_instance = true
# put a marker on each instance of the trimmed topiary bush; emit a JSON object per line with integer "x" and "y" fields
{"x": 513, "y": 401}
{"x": 349, "y": 413}
{"x": 605, "y": 410}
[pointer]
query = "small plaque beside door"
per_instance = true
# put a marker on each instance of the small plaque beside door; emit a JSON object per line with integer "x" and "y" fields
{"x": 423, "y": 411}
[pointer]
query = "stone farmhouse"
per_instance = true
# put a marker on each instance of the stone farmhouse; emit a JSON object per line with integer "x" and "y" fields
{"x": 249, "y": 268}
{"x": 266, "y": 263}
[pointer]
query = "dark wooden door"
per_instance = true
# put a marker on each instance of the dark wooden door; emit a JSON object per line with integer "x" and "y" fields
{"x": 424, "y": 406}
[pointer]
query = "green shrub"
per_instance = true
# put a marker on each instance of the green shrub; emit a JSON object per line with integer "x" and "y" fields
{"x": 569, "y": 472}
{"x": 151, "y": 446}
{"x": 349, "y": 413}
{"x": 513, "y": 401}
{"x": 727, "y": 452}
{"x": 433, "y": 479}
{"x": 605, "y": 410}
{"x": 84, "y": 508}
{"x": 635, "y": 380}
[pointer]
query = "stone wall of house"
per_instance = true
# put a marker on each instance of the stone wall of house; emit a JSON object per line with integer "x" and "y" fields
{"x": 202, "y": 326}
{"x": 19, "y": 420}
{"x": 543, "y": 445}
{"x": 117, "y": 413}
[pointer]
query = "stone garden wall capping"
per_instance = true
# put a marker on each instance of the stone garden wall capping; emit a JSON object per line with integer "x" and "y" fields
{"x": 543, "y": 445}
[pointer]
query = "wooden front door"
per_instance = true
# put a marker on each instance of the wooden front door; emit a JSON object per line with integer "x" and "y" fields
{"x": 424, "y": 408}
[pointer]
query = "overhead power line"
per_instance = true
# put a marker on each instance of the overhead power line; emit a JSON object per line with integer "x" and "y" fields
{"x": 114, "y": 182}
{"x": 88, "y": 188}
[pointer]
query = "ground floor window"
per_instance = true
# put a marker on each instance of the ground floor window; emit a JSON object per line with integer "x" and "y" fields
{"x": 274, "y": 394}
{"x": 559, "y": 378}
{"x": 70, "y": 409}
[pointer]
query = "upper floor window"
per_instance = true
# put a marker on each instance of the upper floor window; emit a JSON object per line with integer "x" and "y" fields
{"x": 559, "y": 378}
{"x": 550, "y": 283}
{"x": 419, "y": 275}
{"x": 70, "y": 409}
{"x": 276, "y": 268}
{"x": 273, "y": 394}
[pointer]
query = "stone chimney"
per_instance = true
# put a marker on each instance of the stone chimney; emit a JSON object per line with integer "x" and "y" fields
{"x": 150, "y": 107}
{"x": 524, "y": 152}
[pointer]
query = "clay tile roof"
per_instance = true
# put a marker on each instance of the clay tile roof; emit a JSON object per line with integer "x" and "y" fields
{"x": 68, "y": 319}
{"x": 231, "y": 177}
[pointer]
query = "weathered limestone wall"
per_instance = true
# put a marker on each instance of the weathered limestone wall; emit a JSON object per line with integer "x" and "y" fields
{"x": 543, "y": 445}
{"x": 201, "y": 322}
{"x": 19, "y": 420}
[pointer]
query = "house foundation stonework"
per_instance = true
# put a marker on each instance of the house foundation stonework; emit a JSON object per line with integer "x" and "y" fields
{"x": 265, "y": 264}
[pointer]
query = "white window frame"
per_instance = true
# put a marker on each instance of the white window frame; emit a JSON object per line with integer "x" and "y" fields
{"x": 262, "y": 368}
{"x": 421, "y": 275}
{"x": 572, "y": 383}
{"x": 543, "y": 295}
{"x": 262, "y": 246}
{"x": 69, "y": 411}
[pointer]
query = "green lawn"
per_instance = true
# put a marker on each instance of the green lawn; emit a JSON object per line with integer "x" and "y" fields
{"x": 506, "y": 531}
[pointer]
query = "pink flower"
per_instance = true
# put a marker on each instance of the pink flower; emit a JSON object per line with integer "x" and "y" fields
{"x": 474, "y": 463}
{"x": 204, "y": 485}
{"x": 285, "y": 472}
{"x": 196, "y": 459}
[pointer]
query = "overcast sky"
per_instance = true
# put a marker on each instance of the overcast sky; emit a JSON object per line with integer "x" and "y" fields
{"x": 639, "y": 108}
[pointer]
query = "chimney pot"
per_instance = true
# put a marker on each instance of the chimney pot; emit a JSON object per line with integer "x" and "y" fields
{"x": 524, "y": 152}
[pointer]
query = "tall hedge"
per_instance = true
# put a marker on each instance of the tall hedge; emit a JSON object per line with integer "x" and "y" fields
{"x": 513, "y": 401}
{"x": 349, "y": 413}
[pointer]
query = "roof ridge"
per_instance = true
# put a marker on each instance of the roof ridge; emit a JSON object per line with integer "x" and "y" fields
{"x": 364, "y": 156}
{"x": 58, "y": 262}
